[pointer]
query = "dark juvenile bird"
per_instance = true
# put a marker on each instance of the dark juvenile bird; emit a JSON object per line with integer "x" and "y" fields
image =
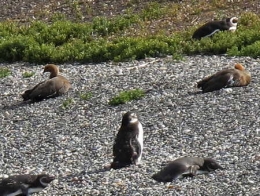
{"x": 55, "y": 86}
{"x": 128, "y": 145}
{"x": 225, "y": 78}
{"x": 212, "y": 27}
{"x": 186, "y": 166}
{"x": 24, "y": 185}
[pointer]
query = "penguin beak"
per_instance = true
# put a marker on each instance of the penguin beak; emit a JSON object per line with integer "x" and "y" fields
{"x": 52, "y": 178}
{"x": 235, "y": 20}
{"x": 134, "y": 115}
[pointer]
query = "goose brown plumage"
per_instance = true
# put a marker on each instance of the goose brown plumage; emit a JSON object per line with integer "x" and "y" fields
{"x": 55, "y": 86}
{"x": 236, "y": 77}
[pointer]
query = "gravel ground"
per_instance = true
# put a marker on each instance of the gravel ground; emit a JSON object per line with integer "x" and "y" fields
{"x": 75, "y": 144}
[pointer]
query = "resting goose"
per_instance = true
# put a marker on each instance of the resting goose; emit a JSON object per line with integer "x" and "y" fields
{"x": 55, "y": 86}
{"x": 225, "y": 78}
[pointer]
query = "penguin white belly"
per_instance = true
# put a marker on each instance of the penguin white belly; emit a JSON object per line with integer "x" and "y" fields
{"x": 18, "y": 192}
{"x": 140, "y": 139}
{"x": 212, "y": 33}
{"x": 234, "y": 28}
{"x": 34, "y": 190}
{"x": 15, "y": 193}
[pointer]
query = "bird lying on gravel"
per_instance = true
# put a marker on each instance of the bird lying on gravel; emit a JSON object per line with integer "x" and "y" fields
{"x": 128, "y": 144}
{"x": 55, "y": 86}
{"x": 184, "y": 167}
{"x": 24, "y": 184}
{"x": 212, "y": 27}
{"x": 225, "y": 78}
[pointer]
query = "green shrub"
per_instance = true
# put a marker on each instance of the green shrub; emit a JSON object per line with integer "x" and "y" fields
{"x": 126, "y": 96}
{"x": 28, "y": 74}
{"x": 106, "y": 39}
{"x": 103, "y": 26}
{"x": 67, "y": 103}
{"x": 4, "y": 72}
{"x": 85, "y": 96}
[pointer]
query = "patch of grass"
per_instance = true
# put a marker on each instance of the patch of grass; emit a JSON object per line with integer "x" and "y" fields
{"x": 67, "y": 103}
{"x": 4, "y": 72}
{"x": 85, "y": 96}
{"x": 153, "y": 10}
{"x": 126, "y": 96}
{"x": 28, "y": 74}
{"x": 108, "y": 39}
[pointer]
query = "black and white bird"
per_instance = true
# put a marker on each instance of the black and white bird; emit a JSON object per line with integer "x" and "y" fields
{"x": 24, "y": 185}
{"x": 128, "y": 145}
{"x": 210, "y": 28}
{"x": 186, "y": 167}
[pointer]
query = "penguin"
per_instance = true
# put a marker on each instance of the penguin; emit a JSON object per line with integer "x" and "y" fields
{"x": 24, "y": 185}
{"x": 212, "y": 27}
{"x": 186, "y": 167}
{"x": 128, "y": 145}
{"x": 236, "y": 77}
{"x": 55, "y": 86}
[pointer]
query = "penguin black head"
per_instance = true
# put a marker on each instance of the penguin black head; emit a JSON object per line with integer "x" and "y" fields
{"x": 45, "y": 179}
{"x": 232, "y": 23}
{"x": 211, "y": 165}
{"x": 129, "y": 118}
{"x": 232, "y": 20}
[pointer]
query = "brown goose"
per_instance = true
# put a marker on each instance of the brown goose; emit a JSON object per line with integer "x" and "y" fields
{"x": 225, "y": 78}
{"x": 55, "y": 86}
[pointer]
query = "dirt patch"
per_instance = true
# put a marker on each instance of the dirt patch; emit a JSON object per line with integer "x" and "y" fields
{"x": 182, "y": 14}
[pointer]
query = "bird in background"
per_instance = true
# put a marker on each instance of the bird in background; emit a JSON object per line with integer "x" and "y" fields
{"x": 210, "y": 28}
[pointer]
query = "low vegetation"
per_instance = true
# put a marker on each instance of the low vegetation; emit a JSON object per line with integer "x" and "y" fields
{"x": 85, "y": 96}
{"x": 67, "y": 103}
{"x": 4, "y": 72}
{"x": 28, "y": 74}
{"x": 123, "y": 37}
{"x": 126, "y": 96}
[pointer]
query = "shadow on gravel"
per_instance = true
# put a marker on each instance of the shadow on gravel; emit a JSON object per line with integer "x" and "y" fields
{"x": 194, "y": 93}
{"x": 14, "y": 106}
{"x": 78, "y": 177}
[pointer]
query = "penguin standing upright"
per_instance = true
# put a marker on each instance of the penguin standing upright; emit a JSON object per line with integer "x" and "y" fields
{"x": 24, "y": 184}
{"x": 186, "y": 166}
{"x": 212, "y": 27}
{"x": 128, "y": 145}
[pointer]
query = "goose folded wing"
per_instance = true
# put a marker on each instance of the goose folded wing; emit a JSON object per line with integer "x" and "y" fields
{"x": 218, "y": 82}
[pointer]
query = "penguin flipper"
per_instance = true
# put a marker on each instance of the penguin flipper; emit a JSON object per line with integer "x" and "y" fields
{"x": 170, "y": 172}
{"x": 136, "y": 150}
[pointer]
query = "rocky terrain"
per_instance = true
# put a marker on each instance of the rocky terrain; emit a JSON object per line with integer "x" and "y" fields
{"x": 75, "y": 143}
